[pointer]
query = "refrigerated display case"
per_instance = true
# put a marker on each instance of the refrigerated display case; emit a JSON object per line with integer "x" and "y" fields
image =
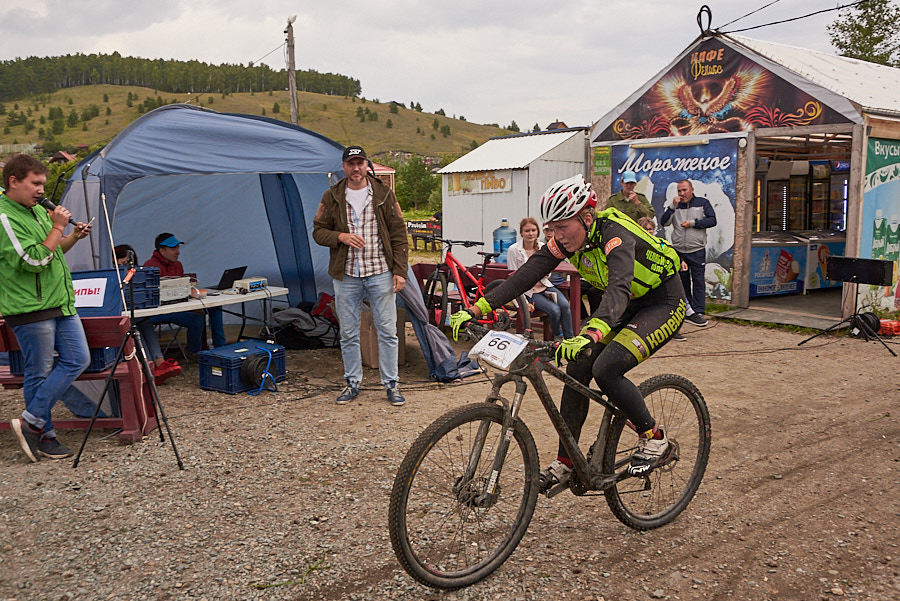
{"x": 777, "y": 264}
{"x": 819, "y": 246}
{"x": 838, "y": 210}
{"x": 797, "y": 204}
{"x": 819, "y": 204}
{"x": 776, "y": 206}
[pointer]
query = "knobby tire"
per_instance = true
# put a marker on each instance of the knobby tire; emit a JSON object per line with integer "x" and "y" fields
{"x": 440, "y": 536}
{"x": 654, "y": 500}
{"x": 436, "y": 297}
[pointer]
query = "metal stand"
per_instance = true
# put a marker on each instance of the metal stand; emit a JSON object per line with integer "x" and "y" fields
{"x": 854, "y": 321}
{"x": 135, "y": 336}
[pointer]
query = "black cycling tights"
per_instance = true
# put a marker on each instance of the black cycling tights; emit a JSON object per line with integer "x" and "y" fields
{"x": 650, "y": 327}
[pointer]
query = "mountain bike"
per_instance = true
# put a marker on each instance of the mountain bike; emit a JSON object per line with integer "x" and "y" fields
{"x": 465, "y": 492}
{"x": 452, "y": 287}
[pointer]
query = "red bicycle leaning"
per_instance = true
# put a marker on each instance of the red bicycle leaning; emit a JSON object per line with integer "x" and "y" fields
{"x": 453, "y": 287}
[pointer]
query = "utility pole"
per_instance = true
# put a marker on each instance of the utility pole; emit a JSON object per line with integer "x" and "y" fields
{"x": 292, "y": 73}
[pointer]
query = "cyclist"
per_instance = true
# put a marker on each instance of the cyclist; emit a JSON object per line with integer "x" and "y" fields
{"x": 642, "y": 307}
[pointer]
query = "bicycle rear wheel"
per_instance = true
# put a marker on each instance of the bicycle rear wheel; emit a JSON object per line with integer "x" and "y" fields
{"x": 656, "y": 499}
{"x": 436, "y": 297}
{"x": 448, "y": 529}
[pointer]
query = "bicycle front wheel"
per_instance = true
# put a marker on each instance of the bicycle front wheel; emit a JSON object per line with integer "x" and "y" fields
{"x": 450, "y": 526}
{"x": 656, "y": 499}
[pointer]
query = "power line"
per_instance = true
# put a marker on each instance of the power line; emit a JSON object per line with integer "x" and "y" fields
{"x": 818, "y": 12}
{"x": 264, "y": 56}
{"x": 753, "y": 12}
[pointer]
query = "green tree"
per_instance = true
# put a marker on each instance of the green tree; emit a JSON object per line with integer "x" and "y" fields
{"x": 106, "y": 98}
{"x": 445, "y": 130}
{"x": 415, "y": 182}
{"x": 389, "y": 124}
{"x": 440, "y": 112}
{"x": 536, "y": 127}
{"x": 868, "y": 31}
{"x": 435, "y": 124}
{"x": 393, "y": 108}
{"x": 72, "y": 121}
{"x": 513, "y": 127}
{"x": 276, "y": 108}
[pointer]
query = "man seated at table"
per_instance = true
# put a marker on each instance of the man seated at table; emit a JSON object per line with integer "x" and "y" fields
{"x": 165, "y": 257}
{"x": 163, "y": 368}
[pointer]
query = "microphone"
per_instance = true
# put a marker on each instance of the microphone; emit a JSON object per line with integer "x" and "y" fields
{"x": 48, "y": 204}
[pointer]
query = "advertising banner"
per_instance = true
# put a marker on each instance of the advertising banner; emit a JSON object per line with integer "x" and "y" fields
{"x": 880, "y": 233}
{"x": 715, "y": 89}
{"x": 712, "y": 170}
{"x": 479, "y": 182}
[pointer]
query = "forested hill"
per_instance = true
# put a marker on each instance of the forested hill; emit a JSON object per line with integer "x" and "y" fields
{"x": 23, "y": 78}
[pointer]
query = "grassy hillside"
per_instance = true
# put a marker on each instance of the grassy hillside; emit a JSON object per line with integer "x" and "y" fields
{"x": 333, "y": 116}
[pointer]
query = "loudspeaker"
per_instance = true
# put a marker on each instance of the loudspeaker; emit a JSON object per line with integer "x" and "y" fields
{"x": 860, "y": 271}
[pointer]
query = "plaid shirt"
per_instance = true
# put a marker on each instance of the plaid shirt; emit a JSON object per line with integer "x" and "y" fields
{"x": 367, "y": 261}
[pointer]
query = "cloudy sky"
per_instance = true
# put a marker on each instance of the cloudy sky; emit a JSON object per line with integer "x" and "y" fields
{"x": 491, "y": 61}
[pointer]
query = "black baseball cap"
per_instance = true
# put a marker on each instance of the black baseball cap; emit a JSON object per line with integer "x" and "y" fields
{"x": 352, "y": 152}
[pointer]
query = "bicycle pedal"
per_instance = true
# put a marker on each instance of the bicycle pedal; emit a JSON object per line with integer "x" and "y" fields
{"x": 555, "y": 489}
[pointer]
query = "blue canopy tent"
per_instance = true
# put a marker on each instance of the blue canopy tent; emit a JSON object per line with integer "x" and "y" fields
{"x": 237, "y": 189}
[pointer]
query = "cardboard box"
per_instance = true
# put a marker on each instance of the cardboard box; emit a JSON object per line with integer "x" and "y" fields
{"x": 368, "y": 337}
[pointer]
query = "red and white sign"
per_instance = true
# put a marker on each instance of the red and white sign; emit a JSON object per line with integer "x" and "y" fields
{"x": 89, "y": 292}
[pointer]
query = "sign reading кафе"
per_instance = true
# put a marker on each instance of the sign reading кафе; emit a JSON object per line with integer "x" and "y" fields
{"x": 479, "y": 182}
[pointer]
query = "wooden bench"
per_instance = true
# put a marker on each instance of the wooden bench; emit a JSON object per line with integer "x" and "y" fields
{"x": 136, "y": 408}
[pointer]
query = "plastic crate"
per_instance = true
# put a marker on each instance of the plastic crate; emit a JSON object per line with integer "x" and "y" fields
{"x": 146, "y": 290}
{"x": 101, "y": 360}
{"x": 220, "y": 368}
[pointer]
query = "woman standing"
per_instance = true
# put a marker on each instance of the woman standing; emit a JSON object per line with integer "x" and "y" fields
{"x": 544, "y": 295}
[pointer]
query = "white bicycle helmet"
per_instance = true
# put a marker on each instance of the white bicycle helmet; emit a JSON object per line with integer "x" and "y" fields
{"x": 566, "y": 199}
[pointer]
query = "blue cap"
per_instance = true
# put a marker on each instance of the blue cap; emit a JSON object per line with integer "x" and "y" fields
{"x": 629, "y": 177}
{"x": 171, "y": 242}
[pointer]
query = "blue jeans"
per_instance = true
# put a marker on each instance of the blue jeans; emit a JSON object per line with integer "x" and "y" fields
{"x": 348, "y": 297}
{"x": 694, "y": 279}
{"x": 216, "y": 326}
{"x": 193, "y": 322}
{"x": 46, "y": 378}
{"x": 559, "y": 313}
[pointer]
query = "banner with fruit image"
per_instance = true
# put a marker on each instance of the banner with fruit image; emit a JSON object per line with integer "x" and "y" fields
{"x": 880, "y": 233}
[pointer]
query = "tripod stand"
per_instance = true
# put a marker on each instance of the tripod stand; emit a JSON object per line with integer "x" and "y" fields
{"x": 858, "y": 271}
{"x": 135, "y": 336}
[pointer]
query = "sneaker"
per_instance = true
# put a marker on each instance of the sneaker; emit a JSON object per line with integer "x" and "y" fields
{"x": 165, "y": 370}
{"x": 394, "y": 396}
{"x": 679, "y": 337}
{"x": 650, "y": 453}
{"x": 28, "y": 438}
{"x": 696, "y": 319}
{"x": 557, "y": 473}
{"x": 50, "y": 447}
{"x": 347, "y": 394}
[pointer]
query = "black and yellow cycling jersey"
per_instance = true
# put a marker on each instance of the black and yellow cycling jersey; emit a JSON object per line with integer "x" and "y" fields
{"x": 619, "y": 257}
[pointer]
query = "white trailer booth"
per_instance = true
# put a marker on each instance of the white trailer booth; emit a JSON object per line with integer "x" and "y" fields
{"x": 505, "y": 178}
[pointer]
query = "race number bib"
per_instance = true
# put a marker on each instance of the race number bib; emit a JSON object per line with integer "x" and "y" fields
{"x": 499, "y": 349}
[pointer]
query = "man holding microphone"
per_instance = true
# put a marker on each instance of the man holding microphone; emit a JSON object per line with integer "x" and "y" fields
{"x": 37, "y": 300}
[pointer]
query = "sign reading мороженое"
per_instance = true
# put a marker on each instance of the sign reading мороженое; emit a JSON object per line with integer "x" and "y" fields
{"x": 89, "y": 292}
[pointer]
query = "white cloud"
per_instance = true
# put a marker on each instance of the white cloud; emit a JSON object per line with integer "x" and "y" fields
{"x": 528, "y": 61}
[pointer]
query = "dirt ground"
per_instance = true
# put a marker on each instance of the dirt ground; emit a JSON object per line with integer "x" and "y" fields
{"x": 285, "y": 495}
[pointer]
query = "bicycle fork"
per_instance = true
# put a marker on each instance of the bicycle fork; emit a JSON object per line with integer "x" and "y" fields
{"x": 466, "y": 490}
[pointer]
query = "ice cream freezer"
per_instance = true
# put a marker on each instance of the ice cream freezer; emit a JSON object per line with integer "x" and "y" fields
{"x": 820, "y": 246}
{"x": 777, "y": 264}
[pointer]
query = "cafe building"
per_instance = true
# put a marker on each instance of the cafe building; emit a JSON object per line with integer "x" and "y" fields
{"x": 798, "y": 151}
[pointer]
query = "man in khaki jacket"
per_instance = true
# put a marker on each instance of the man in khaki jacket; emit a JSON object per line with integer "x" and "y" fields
{"x": 360, "y": 221}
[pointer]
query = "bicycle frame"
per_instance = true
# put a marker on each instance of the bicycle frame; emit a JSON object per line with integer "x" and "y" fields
{"x": 530, "y": 366}
{"x": 457, "y": 270}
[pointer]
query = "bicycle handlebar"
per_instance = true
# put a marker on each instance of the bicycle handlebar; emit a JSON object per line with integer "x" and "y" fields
{"x": 465, "y": 243}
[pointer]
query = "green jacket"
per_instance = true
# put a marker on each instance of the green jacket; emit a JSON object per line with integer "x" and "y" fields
{"x": 635, "y": 211}
{"x": 32, "y": 278}
{"x": 331, "y": 221}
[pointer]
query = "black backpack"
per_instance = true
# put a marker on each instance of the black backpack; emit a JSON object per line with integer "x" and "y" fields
{"x": 299, "y": 329}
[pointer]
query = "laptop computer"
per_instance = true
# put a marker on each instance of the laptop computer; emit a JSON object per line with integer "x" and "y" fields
{"x": 229, "y": 276}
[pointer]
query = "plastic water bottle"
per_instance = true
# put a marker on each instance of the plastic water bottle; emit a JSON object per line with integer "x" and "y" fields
{"x": 504, "y": 237}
